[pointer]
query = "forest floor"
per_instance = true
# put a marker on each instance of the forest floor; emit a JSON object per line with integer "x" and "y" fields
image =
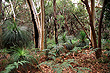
{"x": 84, "y": 59}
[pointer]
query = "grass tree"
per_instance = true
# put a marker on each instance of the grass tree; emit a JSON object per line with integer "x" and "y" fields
{"x": 13, "y": 36}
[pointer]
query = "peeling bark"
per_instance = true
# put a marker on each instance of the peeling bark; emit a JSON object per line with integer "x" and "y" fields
{"x": 38, "y": 27}
{"x": 36, "y": 33}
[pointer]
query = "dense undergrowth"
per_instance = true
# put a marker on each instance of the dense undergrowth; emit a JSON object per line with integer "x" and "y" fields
{"x": 70, "y": 55}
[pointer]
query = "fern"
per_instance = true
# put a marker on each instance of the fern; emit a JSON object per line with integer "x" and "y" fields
{"x": 75, "y": 49}
{"x": 93, "y": 50}
{"x": 10, "y": 67}
{"x": 107, "y": 52}
{"x": 60, "y": 67}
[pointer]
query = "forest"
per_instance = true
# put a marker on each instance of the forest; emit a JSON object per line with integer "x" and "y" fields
{"x": 54, "y": 36}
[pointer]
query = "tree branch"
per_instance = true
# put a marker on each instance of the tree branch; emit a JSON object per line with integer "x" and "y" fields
{"x": 82, "y": 26}
{"x": 87, "y": 7}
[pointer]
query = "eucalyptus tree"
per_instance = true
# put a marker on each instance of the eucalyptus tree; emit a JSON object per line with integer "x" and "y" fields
{"x": 99, "y": 29}
{"x": 55, "y": 22}
{"x": 38, "y": 27}
{"x": 91, "y": 12}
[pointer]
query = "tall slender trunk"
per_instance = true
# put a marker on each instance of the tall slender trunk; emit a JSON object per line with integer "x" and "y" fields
{"x": 38, "y": 27}
{"x": 45, "y": 27}
{"x": 12, "y": 9}
{"x": 99, "y": 52}
{"x": 45, "y": 42}
{"x": 34, "y": 20}
{"x": 92, "y": 20}
{"x": 55, "y": 22}
{"x": 42, "y": 24}
{"x": 0, "y": 24}
{"x": 91, "y": 13}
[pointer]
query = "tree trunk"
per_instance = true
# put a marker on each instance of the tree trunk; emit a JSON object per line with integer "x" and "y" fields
{"x": 92, "y": 20}
{"x": 45, "y": 43}
{"x": 38, "y": 28}
{"x": 0, "y": 24}
{"x": 45, "y": 27}
{"x": 12, "y": 9}
{"x": 99, "y": 52}
{"x": 35, "y": 22}
{"x": 55, "y": 22}
{"x": 42, "y": 24}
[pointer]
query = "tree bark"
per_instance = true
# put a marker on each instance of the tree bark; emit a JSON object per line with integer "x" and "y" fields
{"x": 12, "y": 9}
{"x": 42, "y": 24}
{"x": 45, "y": 27}
{"x": 35, "y": 22}
{"x": 0, "y": 6}
{"x": 92, "y": 19}
{"x": 0, "y": 24}
{"x": 38, "y": 27}
{"x": 99, "y": 52}
{"x": 55, "y": 22}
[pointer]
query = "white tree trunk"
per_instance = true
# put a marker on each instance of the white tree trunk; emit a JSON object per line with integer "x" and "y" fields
{"x": 12, "y": 10}
{"x": 40, "y": 26}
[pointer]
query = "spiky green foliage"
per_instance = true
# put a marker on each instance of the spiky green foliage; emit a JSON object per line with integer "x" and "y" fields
{"x": 54, "y": 53}
{"x": 64, "y": 37}
{"x": 14, "y": 36}
{"x": 51, "y": 43}
{"x": 82, "y": 36}
{"x": 10, "y": 67}
{"x": 19, "y": 54}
